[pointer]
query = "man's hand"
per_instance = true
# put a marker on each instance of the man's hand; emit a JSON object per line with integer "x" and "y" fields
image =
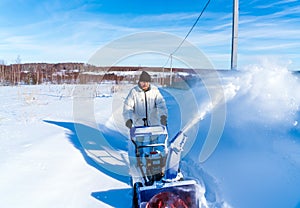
{"x": 129, "y": 123}
{"x": 163, "y": 120}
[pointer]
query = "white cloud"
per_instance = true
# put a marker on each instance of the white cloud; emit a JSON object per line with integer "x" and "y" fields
{"x": 273, "y": 4}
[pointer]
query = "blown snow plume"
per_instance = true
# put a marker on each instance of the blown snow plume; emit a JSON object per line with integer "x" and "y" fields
{"x": 215, "y": 105}
{"x": 271, "y": 89}
{"x": 260, "y": 143}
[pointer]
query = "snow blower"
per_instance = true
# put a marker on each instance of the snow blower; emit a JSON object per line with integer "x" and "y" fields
{"x": 155, "y": 171}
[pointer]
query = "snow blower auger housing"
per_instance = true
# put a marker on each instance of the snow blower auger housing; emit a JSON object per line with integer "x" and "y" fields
{"x": 157, "y": 181}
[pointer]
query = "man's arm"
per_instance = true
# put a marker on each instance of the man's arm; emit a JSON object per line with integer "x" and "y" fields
{"x": 128, "y": 109}
{"x": 162, "y": 108}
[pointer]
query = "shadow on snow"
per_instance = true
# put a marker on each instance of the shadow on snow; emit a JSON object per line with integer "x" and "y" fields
{"x": 115, "y": 197}
{"x": 93, "y": 140}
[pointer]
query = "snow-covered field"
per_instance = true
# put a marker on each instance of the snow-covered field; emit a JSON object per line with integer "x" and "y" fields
{"x": 49, "y": 134}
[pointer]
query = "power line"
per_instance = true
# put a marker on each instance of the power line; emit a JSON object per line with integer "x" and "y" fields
{"x": 204, "y": 8}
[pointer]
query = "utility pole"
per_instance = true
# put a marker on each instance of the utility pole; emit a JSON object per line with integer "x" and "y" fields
{"x": 171, "y": 69}
{"x": 234, "y": 42}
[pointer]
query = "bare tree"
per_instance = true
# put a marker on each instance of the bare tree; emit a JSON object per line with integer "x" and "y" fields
{"x": 17, "y": 74}
{"x": 2, "y": 73}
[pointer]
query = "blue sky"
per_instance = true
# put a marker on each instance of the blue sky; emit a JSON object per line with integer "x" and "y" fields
{"x": 72, "y": 31}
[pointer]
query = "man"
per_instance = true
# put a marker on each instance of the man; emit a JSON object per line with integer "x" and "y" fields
{"x": 144, "y": 105}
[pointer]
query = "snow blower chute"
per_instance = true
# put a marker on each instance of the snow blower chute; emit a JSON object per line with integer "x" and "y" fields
{"x": 156, "y": 177}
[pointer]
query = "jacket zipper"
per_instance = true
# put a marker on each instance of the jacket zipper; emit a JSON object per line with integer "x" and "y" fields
{"x": 146, "y": 122}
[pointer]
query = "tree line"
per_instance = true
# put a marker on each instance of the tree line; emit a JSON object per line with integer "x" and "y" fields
{"x": 76, "y": 73}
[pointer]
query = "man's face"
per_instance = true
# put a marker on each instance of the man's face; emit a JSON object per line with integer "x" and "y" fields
{"x": 144, "y": 85}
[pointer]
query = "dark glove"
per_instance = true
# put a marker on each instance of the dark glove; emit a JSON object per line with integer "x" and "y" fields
{"x": 129, "y": 123}
{"x": 163, "y": 120}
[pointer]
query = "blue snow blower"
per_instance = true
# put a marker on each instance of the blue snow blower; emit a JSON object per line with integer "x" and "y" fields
{"x": 155, "y": 170}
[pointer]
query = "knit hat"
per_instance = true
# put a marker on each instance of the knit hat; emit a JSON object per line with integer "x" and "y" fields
{"x": 145, "y": 77}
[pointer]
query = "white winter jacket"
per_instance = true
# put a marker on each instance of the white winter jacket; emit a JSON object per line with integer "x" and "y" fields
{"x": 136, "y": 102}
